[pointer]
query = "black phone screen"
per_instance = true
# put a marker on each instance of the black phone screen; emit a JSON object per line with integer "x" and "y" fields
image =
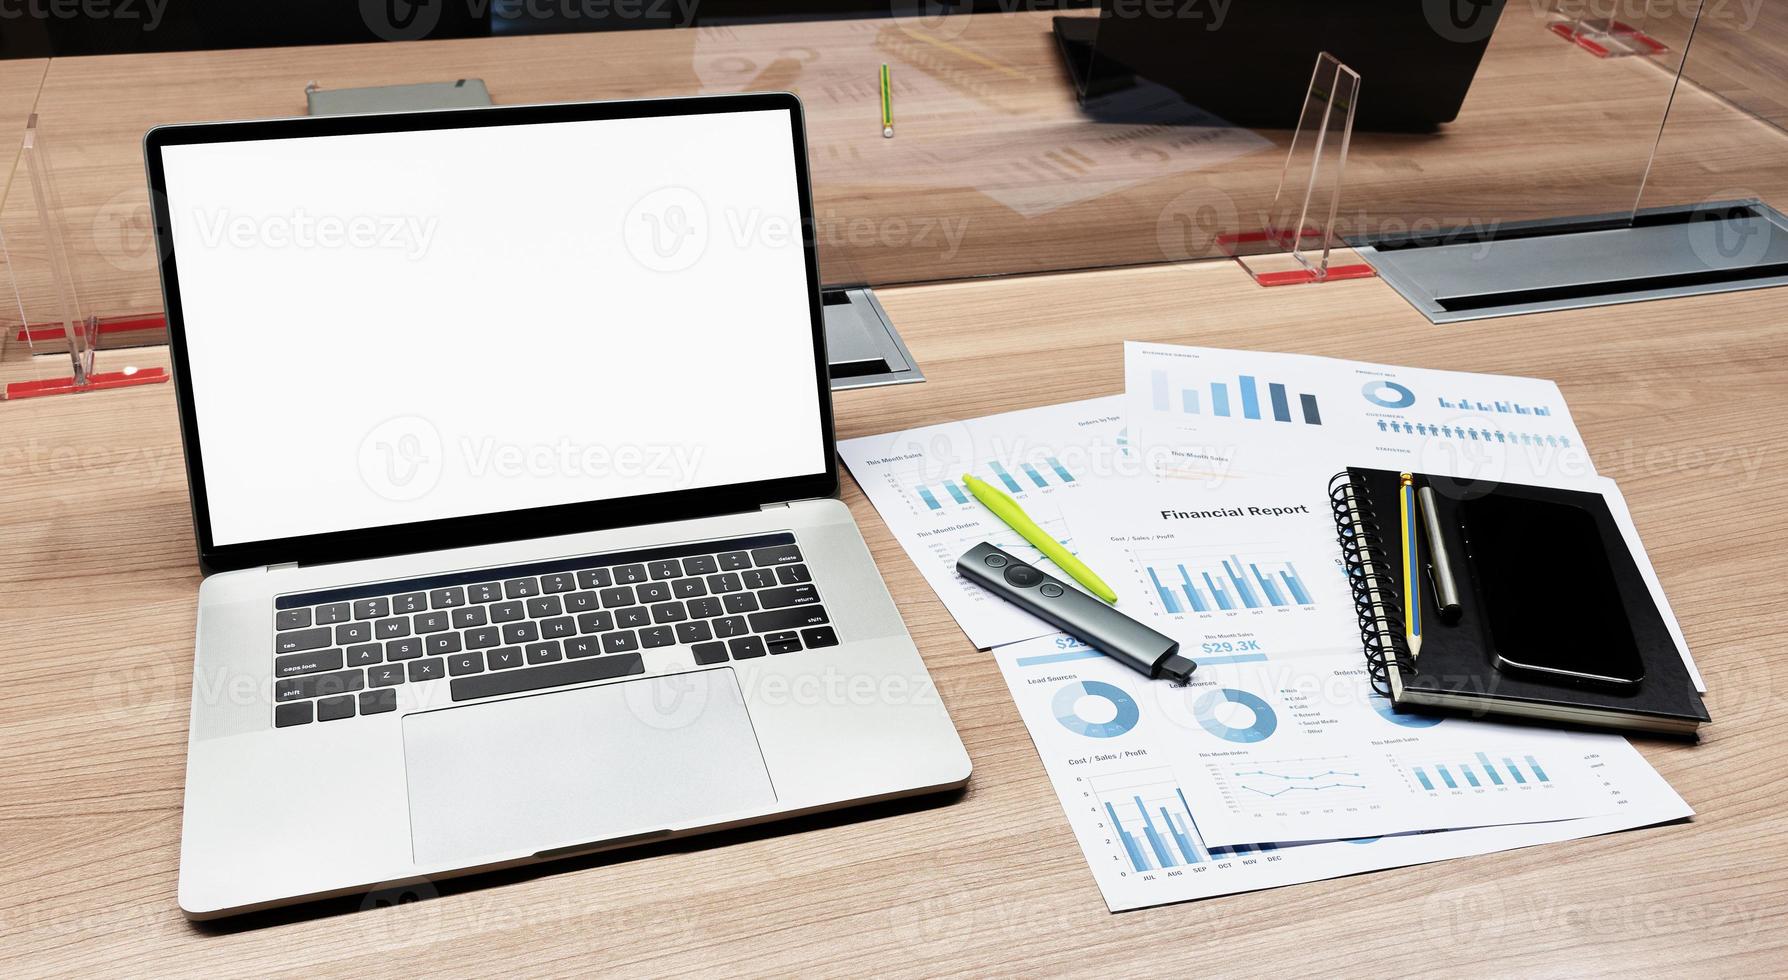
{"x": 1551, "y": 601}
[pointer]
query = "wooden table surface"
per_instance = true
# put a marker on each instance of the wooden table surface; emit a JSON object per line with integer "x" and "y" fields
{"x": 1680, "y": 401}
{"x": 994, "y": 170}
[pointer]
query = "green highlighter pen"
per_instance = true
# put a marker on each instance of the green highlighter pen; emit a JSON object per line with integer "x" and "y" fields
{"x": 1007, "y": 509}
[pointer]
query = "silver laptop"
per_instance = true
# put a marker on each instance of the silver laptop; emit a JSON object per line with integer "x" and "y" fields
{"x": 510, "y": 448}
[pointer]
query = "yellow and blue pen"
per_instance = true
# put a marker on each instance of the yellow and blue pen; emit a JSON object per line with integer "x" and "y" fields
{"x": 1412, "y": 594}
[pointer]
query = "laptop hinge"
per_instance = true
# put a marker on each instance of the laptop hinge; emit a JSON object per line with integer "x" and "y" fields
{"x": 282, "y": 566}
{"x": 781, "y": 504}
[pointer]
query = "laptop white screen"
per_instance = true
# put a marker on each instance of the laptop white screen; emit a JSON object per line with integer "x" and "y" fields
{"x": 390, "y": 328}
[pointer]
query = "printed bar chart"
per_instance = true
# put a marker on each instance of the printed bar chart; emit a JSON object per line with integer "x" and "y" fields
{"x": 1276, "y": 406}
{"x": 1153, "y": 824}
{"x": 1498, "y": 407}
{"x": 1485, "y": 772}
{"x": 1227, "y": 584}
{"x": 1040, "y": 475}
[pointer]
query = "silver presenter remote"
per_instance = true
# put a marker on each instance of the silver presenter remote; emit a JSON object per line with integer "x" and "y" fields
{"x": 1148, "y": 652}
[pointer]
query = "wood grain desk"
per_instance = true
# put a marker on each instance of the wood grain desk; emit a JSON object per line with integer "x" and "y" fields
{"x": 994, "y": 170}
{"x": 1680, "y": 401}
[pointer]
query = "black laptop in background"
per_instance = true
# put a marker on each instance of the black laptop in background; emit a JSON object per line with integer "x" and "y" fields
{"x": 1249, "y": 61}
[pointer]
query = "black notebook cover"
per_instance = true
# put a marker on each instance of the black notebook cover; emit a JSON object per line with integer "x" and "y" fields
{"x": 1456, "y": 666}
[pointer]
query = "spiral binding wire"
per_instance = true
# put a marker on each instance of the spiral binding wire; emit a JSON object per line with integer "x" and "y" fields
{"x": 1379, "y": 610}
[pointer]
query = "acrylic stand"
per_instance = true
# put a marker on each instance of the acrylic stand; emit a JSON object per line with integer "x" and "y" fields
{"x": 1605, "y": 37}
{"x": 70, "y": 319}
{"x": 1298, "y": 243}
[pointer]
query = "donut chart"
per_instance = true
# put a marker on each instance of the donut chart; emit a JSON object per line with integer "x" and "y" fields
{"x": 1125, "y": 712}
{"x": 1383, "y": 706}
{"x": 1388, "y": 394}
{"x": 1264, "y": 724}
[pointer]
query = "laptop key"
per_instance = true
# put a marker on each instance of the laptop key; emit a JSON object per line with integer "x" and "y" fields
{"x": 746, "y": 647}
{"x": 741, "y": 602}
{"x": 287, "y": 715}
{"x": 487, "y": 592}
{"x": 300, "y": 640}
{"x": 505, "y": 658}
{"x": 410, "y": 602}
{"x": 520, "y": 633}
{"x": 630, "y": 574}
{"x": 709, "y": 653}
{"x": 372, "y": 608}
{"x": 578, "y": 602}
{"x": 559, "y": 626}
{"x": 448, "y": 598}
{"x": 653, "y": 592}
{"x": 378, "y": 702}
{"x": 335, "y": 709}
{"x": 507, "y": 612}
{"x": 789, "y": 595}
{"x": 688, "y": 588}
{"x": 725, "y": 582}
{"x": 782, "y": 642}
{"x": 583, "y": 646}
{"x": 619, "y": 641}
{"x": 669, "y": 612}
{"x": 365, "y": 654}
{"x": 468, "y": 617}
{"x": 291, "y": 619}
{"x": 819, "y": 636}
{"x": 331, "y": 613}
{"x": 427, "y": 670}
{"x": 758, "y": 578}
{"x": 481, "y": 637}
{"x": 732, "y": 561}
{"x": 540, "y": 653}
{"x": 707, "y": 607}
{"x": 594, "y": 578}
{"x": 793, "y": 574}
{"x": 391, "y": 629}
{"x": 693, "y": 632}
{"x": 781, "y": 554}
{"x": 657, "y": 636}
{"x": 541, "y": 607}
{"x": 560, "y": 582}
{"x": 347, "y": 633}
{"x": 667, "y": 568}
{"x": 595, "y": 622}
{"x": 385, "y": 675}
{"x": 700, "y": 565}
{"x": 429, "y": 622}
{"x": 616, "y": 597}
{"x": 465, "y": 663}
{"x": 788, "y": 619}
{"x": 550, "y": 675}
{"x": 318, "y": 685}
{"x": 633, "y": 617}
{"x": 521, "y": 588}
{"x": 408, "y": 648}
{"x": 730, "y": 626}
{"x": 442, "y": 643}
{"x": 293, "y": 664}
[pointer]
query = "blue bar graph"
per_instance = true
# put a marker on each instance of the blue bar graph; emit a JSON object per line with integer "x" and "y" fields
{"x": 1311, "y": 415}
{"x": 1281, "y": 408}
{"x": 1296, "y": 585}
{"x": 1519, "y": 781}
{"x": 956, "y": 492}
{"x": 1161, "y": 832}
{"x": 1168, "y": 601}
{"x": 1489, "y": 770}
{"x": 1060, "y": 470}
{"x": 1189, "y": 401}
{"x": 1031, "y": 471}
{"x": 1423, "y": 778}
{"x": 1215, "y": 584}
{"x": 1470, "y": 777}
{"x": 1006, "y": 478}
{"x": 1539, "y": 773}
{"x": 1219, "y": 399}
{"x": 1158, "y": 385}
{"x": 1241, "y": 585}
{"x": 930, "y": 501}
{"x": 1266, "y": 585}
{"x": 1192, "y": 596}
{"x": 1223, "y": 600}
{"x": 1250, "y": 398}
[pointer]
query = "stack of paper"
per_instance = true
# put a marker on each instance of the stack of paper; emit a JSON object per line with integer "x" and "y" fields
{"x": 1200, "y": 495}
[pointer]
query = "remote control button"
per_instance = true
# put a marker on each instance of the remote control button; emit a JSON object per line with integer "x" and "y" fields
{"x": 995, "y": 561}
{"x": 1051, "y": 590}
{"x": 1023, "y": 576}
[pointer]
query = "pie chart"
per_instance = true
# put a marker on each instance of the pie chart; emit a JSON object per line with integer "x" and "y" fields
{"x": 1388, "y": 394}
{"x": 1109, "y": 711}
{"x": 1221, "y": 711}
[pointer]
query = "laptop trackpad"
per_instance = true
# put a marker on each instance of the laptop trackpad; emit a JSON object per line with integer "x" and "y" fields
{"x": 582, "y": 766}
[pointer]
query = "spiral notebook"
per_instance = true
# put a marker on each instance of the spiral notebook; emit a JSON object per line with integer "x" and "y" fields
{"x": 1570, "y": 597}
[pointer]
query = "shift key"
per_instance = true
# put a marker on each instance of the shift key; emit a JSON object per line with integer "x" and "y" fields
{"x": 319, "y": 685}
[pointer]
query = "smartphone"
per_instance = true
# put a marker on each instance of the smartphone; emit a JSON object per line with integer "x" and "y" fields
{"x": 1551, "y": 604}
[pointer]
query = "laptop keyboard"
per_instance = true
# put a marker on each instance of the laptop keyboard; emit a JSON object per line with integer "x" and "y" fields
{"x": 344, "y": 652}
